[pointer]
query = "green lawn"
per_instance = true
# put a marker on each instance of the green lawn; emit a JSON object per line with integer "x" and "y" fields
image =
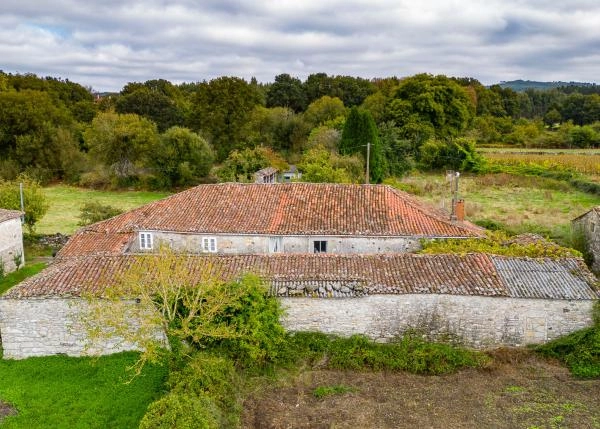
{"x": 66, "y": 201}
{"x": 11, "y": 279}
{"x": 64, "y": 392}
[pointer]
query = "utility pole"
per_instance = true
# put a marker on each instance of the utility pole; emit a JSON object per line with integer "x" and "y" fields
{"x": 22, "y": 204}
{"x": 368, "y": 157}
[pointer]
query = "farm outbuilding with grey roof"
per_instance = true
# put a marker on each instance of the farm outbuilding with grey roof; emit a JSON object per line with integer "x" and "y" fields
{"x": 478, "y": 299}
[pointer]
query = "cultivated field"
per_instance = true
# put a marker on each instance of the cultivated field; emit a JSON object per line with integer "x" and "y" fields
{"x": 522, "y": 393}
{"x": 584, "y": 163}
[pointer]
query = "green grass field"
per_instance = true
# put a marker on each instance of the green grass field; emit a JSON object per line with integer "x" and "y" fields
{"x": 63, "y": 392}
{"x": 11, "y": 279}
{"x": 66, "y": 201}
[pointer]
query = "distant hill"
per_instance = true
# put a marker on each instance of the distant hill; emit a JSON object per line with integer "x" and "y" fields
{"x": 522, "y": 85}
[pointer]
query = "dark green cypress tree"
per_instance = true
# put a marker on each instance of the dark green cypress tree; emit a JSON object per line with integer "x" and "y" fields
{"x": 359, "y": 130}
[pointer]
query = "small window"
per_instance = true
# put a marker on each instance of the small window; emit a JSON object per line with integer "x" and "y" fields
{"x": 275, "y": 244}
{"x": 209, "y": 244}
{"x": 146, "y": 240}
{"x": 320, "y": 246}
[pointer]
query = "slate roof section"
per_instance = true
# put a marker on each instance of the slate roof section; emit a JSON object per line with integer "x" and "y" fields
{"x": 6, "y": 214}
{"x": 546, "y": 278}
{"x": 595, "y": 210}
{"x": 472, "y": 274}
{"x": 282, "y": 209}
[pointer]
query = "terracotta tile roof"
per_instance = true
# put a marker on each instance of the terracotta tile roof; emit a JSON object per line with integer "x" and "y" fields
{"x": 284, "y": 209}
{"x": 87, "y": 242}
{"x": 9, "y": 214}
{"x": 347, "y": 275}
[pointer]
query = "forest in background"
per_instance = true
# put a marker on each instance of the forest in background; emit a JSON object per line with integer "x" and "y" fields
{"x": 159, "y": 135}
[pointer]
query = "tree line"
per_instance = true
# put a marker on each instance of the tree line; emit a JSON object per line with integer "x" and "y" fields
{"x": 157, "y": 134}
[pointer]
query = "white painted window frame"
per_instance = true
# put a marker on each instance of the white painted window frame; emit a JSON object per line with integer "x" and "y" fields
{"x": 146, "y": 241}
{"x": 275, "y": 244}
{"x": 209, "y": 244}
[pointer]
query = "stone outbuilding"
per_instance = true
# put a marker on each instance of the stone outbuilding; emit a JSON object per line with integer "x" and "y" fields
{"x": 589, "y": 225}
{"x": 474, "y": 299}
{"x": 12, "y": 255}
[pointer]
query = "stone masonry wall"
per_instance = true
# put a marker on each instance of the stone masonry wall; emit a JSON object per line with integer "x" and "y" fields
{"x": 41, "y": 327}
{"x": 291, "y": 243}
{"x": 38, "y": 327}
{"x": 11, "y": 243}
{"x": 591, "y": 229}
{"x": 470, "y": 320}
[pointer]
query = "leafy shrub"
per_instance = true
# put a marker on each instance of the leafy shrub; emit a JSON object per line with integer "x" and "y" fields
{"x": 34, "y": 200}
{"x": 255, "y": 316}
{"x": 580, "y": 351}
{"x": 182, "y": 411}
{"x": 212, "y": 376}
{"x": 93, "y": 212}
{"x": 457, "y": 154}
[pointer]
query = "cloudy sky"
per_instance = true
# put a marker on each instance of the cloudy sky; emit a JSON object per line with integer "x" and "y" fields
{"x": 107, "y": 43}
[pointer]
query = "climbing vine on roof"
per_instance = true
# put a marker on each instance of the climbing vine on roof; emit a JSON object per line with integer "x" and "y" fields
{"x": 499, "y": 243}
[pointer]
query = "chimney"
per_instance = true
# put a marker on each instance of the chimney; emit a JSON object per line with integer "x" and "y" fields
{"x": 460, "y": 210}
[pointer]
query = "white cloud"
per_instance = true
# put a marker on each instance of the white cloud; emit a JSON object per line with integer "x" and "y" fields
{"x": 106, "y": 43}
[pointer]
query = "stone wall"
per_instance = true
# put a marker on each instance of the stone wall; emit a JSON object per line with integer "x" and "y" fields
{"x": 471, "y": 320}
{"x": 38, "y": 327}
{"x": 11, "y": 243}
{"x": 231, "y": 244}
{"x": 590, "y": 226}
{"x": 41, "y": 327}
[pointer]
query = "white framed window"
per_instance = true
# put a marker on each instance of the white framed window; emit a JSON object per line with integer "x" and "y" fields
{"x": 320, "y": 246}
{"x": 275, "y": 244}
{"x": 146, "y": 241}
{"x": 209, "y": 244}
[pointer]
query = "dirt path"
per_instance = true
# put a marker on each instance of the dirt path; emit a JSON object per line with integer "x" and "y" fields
{"x": 529, "y": 394}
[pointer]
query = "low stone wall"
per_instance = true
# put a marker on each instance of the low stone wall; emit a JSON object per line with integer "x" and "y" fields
{"x": 42, "y": 327}
{"x": 39, "y": 327}
{"x": 470, "y": 320}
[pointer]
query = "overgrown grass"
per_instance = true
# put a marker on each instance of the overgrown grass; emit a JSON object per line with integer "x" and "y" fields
{"x": 515, "y": 204}
{"x": 580, "y": 351}
{"x": 64, "y": 392}
{"x": 338, "y": 389}
{"x": 67, "y": 201}
{"x": 11, "y": 279}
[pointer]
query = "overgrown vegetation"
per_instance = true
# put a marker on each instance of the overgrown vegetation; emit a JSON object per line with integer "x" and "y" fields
{"x": 499, "y": 243}
{"x": 580, "y": 351}
{"x": 337, "y": 389}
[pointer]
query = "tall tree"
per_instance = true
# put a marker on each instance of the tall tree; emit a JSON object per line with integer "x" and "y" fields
{"x": 431, "y": 104}
{"x": 121, "y": 142}
{"x": 287, "y": 91}
{"x": 360, "y": 130}
{"x": 221, "y": 109}
{"x": 182, "y": 157}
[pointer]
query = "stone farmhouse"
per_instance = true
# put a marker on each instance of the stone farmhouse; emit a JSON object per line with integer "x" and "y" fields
{"x": 589, "y": 224}
{"x": 236, "y": 218}
{"x": 338, "y": 257}
{"x": 11, "y": 240}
